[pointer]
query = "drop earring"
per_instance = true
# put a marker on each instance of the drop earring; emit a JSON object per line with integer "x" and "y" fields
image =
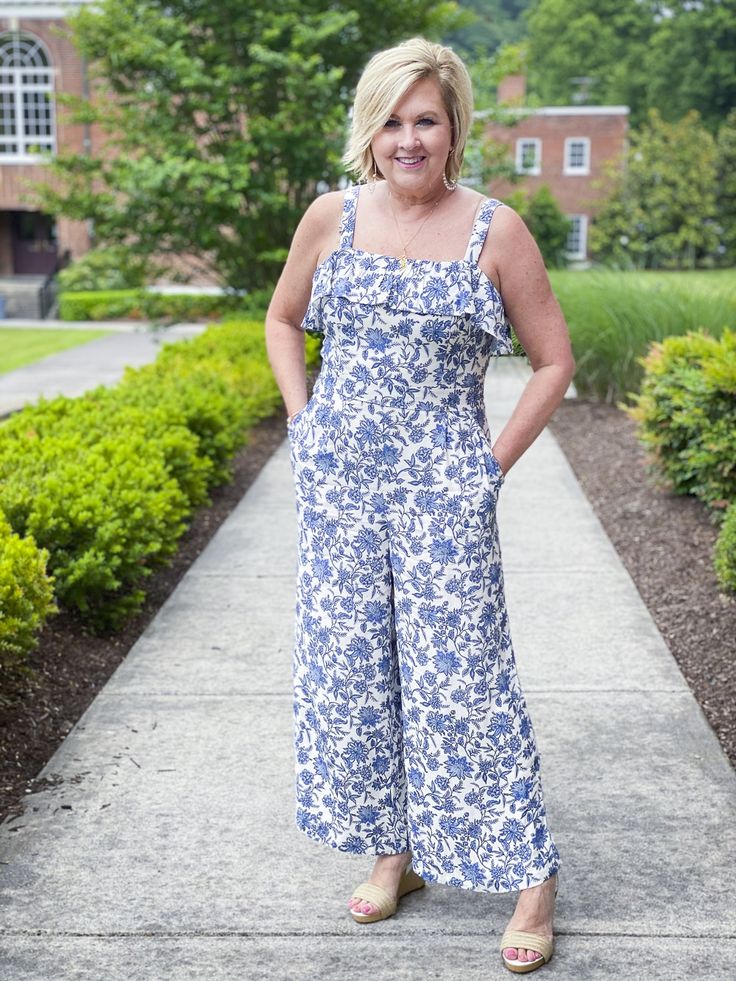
{"x": 450, "y": 185}
{"x": 373, "y": 179}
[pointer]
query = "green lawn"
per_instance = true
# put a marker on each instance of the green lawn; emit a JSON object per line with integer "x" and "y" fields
{"x": 20, "y": 346}
{"x": 614, "y": 316}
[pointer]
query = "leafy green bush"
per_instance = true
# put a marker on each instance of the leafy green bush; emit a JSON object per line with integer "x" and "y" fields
{"x": 106, "y": 481}
{"x": 686, "y": 413}
{"x": 112, "y": 268}
{"x": 686, "y": 416}
{"x": 26, "y": 595}
{"x": 724, "y": 554}
{"x": 90, "y": 482}
{"x": 141, "y": 304}
{"x": 547, "y": 223}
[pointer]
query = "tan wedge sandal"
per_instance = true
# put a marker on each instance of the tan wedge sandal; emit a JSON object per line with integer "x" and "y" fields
{"x": 372, "y": 893}
{"x": 529, "y": 941}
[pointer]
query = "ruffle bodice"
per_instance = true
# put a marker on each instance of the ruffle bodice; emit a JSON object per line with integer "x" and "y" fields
{"x": 421, "y": 334}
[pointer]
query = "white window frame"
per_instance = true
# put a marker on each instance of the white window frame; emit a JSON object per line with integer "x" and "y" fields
{"x": 520, "y": 143}
{"x": 569, "y": 169}
{"x": 13, "y": 88}
{"x": 582, "y": 251}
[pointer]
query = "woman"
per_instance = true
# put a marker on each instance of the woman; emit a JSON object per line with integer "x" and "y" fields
{"x": 413, "y": 740}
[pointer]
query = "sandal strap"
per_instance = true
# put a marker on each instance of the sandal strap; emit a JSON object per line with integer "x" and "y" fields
{"x": 376, "y": 895}
{"x": 529, "y": 941}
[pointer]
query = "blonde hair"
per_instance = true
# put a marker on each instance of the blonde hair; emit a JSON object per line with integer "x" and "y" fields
{"x": 387, "y": 77}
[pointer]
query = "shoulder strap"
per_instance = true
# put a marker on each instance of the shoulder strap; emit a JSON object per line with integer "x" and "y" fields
{"x": 347, "y": 219}
{"x": 480, "y": 229}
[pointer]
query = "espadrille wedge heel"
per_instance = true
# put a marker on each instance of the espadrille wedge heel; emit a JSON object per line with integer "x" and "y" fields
{"x": 380, "y": 898}
{"x": 529, "y": 941}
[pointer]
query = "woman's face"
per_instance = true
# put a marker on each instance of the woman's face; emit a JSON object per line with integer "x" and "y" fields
{"x": 411, "y": 150}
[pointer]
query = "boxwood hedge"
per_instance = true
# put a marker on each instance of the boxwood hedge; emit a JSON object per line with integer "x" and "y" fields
{"x": 105, "y": 483}
{"x": 26, "y": 595}
{"x": 686, "y": 416}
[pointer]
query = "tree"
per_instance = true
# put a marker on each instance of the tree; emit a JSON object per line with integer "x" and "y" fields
{"x": 662, "y": 212}
{"x": 642, "y": 53}
{"x": 691, "y": 61}
{"x": 219, "y": 120}
{"x": 494, "y": 23}
{"x": 547, "y": 223}
{"x": 726, "y": 187}
{"x": 589, "y": 51}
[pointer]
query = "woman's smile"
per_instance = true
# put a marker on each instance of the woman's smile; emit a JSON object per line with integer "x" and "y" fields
{"x": 410, "y": 163}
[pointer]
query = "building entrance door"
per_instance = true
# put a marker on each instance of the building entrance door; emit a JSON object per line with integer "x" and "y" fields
{"x": 34, "y": 244}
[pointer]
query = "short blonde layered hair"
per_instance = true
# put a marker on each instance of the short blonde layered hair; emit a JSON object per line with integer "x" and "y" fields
{"x": 386, "y": 78}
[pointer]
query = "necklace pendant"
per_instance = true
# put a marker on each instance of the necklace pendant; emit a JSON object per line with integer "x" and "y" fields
{"x": 402, "y": 262}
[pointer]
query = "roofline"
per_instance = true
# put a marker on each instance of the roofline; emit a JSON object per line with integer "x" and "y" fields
{"x": 41, "y": 9}
{"x": 556, "y": 111}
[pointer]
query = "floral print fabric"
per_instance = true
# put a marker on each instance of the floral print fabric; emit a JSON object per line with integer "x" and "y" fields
{"x": 411, "y": 728}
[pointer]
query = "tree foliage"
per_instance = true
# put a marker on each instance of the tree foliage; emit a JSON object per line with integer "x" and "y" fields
{"x": 494, "y": 23}
{"x": 662, "y": 212}
{"x": 219, "y": 120}
{"x": 641, "y": 53}
{"x": 546, "y": 221}
{"x": 726, "y": 187}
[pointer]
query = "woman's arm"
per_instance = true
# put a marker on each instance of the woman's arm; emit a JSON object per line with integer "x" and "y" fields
{"x": 314, "y": 236}
{"x": 512, "y": 260}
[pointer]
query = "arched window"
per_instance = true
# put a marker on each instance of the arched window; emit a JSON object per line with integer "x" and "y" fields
{"x": 26, "y": 98}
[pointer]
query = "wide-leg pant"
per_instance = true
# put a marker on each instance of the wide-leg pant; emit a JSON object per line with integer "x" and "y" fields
{"x": 411, "y": 728}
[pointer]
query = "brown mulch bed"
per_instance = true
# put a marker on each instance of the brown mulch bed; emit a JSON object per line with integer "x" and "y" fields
{"x": 71, "y": 666}
{"x": 666, "y": 542}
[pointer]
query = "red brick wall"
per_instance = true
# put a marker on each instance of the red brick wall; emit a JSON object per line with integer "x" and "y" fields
{"x": 576, "y": 194}
{"x": 17, "y": 179}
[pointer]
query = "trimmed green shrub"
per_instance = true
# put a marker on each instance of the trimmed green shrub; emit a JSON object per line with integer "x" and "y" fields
{"x": 141, "y": 304}
{"x": 686, "y": 413}
{"x": 26, "y": 595}
{"x": 686, "y": 416}
{"x": 91, "y": 483}
{"x": 113, "y": 267}
{"x": 724, "y": 553}
{"x": 105, "y": 482}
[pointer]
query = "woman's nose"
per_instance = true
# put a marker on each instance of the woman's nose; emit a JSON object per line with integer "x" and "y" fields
{"x": 409, "y": 138}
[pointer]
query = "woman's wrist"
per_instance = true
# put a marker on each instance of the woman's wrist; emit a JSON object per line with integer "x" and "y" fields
{"x": 294, "y": 414}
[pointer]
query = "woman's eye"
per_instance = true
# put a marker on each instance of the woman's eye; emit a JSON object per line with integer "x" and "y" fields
{"x": 392, "y": 122}
{"x": 427, "y": 120}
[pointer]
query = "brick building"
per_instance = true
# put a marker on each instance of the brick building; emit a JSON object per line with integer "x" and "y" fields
{"x": 35, "y": 65}
{"x": 564, "y": 147}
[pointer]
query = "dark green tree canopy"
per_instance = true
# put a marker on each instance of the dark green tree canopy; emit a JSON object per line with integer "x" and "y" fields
{"x": 663, "y": 210}
{"x": 643, "y": 53}
{"x": 220, "y": 120}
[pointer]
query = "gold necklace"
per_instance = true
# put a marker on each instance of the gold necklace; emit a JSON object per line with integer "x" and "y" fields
{"x": 404, "y": 258}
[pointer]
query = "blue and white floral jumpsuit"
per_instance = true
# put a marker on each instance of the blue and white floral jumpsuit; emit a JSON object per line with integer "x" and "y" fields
{"x": 411, "y": 727}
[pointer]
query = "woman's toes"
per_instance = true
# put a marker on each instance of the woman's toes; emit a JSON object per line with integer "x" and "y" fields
{"x": 511, "y": 953}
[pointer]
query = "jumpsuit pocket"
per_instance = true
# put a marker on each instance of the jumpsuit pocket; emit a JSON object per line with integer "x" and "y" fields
{"x": 293, "y": 426}
{"x": 492, "y": 466}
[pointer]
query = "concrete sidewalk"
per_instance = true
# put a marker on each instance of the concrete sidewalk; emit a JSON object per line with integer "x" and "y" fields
{"x": 166, "y": 846}
{"x": 98, "y": 362}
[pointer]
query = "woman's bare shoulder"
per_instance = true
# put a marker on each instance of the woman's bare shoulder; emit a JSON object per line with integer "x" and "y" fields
{"x": 325, "y": 209}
